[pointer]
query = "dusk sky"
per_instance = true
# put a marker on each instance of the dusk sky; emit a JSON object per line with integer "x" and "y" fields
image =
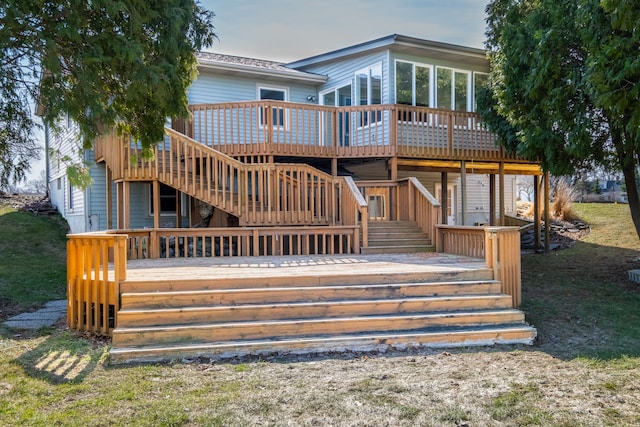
{"x": 287, "y": 30}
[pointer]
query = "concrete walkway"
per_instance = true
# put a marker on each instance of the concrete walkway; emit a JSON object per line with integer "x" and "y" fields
{"x": 45, "y": 317}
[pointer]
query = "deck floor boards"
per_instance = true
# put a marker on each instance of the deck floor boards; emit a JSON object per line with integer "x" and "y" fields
{"x": 317, "y": 265}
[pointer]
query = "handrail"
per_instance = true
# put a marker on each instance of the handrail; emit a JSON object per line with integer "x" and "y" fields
{"x": 362, "y": 210}
{"x": 92, "y": 287}
{"x": 499, "y": 246}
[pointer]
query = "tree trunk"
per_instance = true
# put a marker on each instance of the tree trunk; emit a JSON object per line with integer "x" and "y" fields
{"x": 629, "y": 172}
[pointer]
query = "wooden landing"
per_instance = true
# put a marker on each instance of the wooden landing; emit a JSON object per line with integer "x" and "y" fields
{"x": 237, "y": 306}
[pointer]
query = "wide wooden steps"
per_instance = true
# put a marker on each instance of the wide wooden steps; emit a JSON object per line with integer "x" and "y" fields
{"x": 223, "y": 317}
{"x": 396, "y": 237}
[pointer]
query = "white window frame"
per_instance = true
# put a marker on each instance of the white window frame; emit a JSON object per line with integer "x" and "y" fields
{"x": 469, "y": 74}
{"x": 473, "y": 81}
{"x": 413, "y": 81}
{"x": 285, "y": 113}
{"x": 377, "y": 118}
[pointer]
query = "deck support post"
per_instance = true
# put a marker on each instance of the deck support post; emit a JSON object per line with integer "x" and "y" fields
{"x": 547, "y": 214}
{"x": 463, "y": 192}
{"x": 492, "y": 199}
{"x": 178, "y": 209}
{"x": 444, "y": 202}
{"x": 109, "y": 197}
{"x": 123, "y": 199}
{"x": 156, "y": 203}
{"x": 536, "y": 212}
{"x": 501, "y": 172}
{"x": 334, "y": 166}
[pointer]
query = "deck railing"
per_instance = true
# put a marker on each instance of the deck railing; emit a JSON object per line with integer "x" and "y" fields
{"x": 93, "y": 292}
{"x": 500, "y": 247}
{"x": 258, "y": 194}
{"x": 309, "y": 130}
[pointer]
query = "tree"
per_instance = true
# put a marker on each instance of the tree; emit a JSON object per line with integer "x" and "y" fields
{"x": 105, "y": 63}
{"x": 564, "y": 84}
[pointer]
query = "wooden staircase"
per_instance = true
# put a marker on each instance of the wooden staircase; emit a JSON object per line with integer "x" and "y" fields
{"x": 396, "y": 237}
{"x": 224, "y": 317}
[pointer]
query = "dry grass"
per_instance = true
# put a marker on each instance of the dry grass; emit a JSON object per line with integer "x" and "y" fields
{"x": 562, "y": 206}
{"x": 583, "y": 371}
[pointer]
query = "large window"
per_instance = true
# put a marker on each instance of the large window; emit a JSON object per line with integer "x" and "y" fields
{"x": 413, "y": 84}
{"x": 369, "y": 92}
{"x": 480, "y": 81}
{"x": 277, "y": 114}
{"x": 452, "y": 89}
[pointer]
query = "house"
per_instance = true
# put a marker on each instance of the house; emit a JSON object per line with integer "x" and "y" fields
{"x": 367, "y": 149}
{"x": 394, "y": 70}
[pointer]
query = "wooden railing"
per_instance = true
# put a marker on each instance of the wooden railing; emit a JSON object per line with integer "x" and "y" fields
{"x": 258, "y": 194}
{"x": 235, "y": 241}
{"x": 418, "y": 205}
{"x": 308, "y": 130}
{"x": 499, "y": 246}
{"x": 356, "y": 210}
{"x": 92, "y": 288}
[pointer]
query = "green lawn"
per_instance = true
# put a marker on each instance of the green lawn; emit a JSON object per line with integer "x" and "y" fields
{"x": 33, "y": 258}
{"x": 583, "y": 371}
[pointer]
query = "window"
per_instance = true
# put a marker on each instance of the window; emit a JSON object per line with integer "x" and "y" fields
{"x": 413, "y": 84}
{"x": 452, "y": 89}
{"x": 277, "y": 113}
{"x": 168, "y": 200}
{"x": 480, "y": 81}
{"x": 70, "y": 200}
{"x": 338, "y": 97}
{"x": 369, "y": 92}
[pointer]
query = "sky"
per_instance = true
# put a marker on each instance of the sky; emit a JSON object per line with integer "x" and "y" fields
{"x": 288, "y": 30}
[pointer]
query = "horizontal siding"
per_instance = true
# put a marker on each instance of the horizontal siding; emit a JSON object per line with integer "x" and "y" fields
{"x": 343, "y": 72}
{"x": 210, "y": 88}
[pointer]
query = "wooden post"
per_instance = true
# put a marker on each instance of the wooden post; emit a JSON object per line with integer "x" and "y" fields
{"x": 536, "y": 212}
{"x": 463, "y": 191}
{"x": 444, "y": 202}
{"x": 109, "y": 197}
{"x": 492, "y": 199}
{"x": 393, "y": 169}
{"x": 124, "y": 206}
{"x": 334, "y": 167}
{"x": 501, "y": 172}
{"x": 547, "y": 213}
{"x": 156, "y": 203}
{"x": 178, "y": 209}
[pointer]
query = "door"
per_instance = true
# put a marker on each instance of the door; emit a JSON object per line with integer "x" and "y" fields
{"x": 377, "y": 199}
{"x": 339, "y": 97}
{"x": 451, "y": 201}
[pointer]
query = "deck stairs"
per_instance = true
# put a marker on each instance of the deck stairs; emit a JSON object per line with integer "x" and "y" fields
{"x": 221, "y": 317}
{"x": 396, "y": 237}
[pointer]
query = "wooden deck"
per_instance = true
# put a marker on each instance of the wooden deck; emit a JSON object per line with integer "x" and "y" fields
{"x": 317, "y": 266}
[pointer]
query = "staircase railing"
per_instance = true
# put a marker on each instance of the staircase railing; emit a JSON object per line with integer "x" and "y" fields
{"x": 418, "y": 205}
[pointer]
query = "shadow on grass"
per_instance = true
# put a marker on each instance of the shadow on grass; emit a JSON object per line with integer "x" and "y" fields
{"x": 62, "y": 358}
{"x": 582, "y": 303}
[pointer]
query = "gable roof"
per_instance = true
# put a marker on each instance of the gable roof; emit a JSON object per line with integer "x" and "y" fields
{"x": 400, "y": 43}
{"x": 233, "y": 65}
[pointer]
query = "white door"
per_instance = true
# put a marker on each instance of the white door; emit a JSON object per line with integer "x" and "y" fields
{"x": 451, "y": 201}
